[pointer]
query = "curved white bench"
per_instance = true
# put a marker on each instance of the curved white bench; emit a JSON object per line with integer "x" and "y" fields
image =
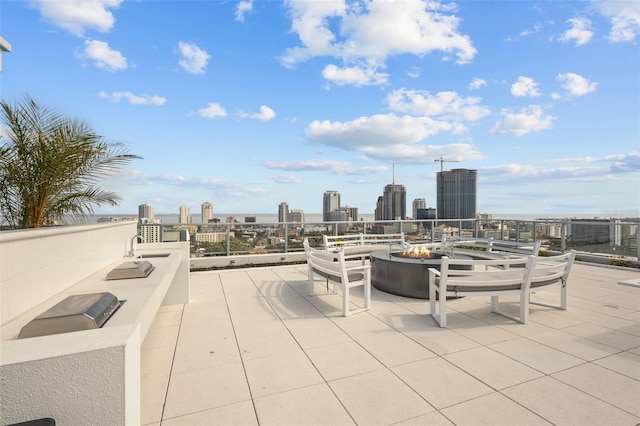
{"x": 332, "y": 266}
{"x": 499, "y": 277}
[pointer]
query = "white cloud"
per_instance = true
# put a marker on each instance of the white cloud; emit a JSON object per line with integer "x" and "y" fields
{"x": 133, "y": 99}
{"x": 599, "y": 168}
{"x": 576, "y": 84}
{"x": 291, "y": 178}
{"x": 143, "y": 178}
{"x": 377, "y": 130}
{"x": 580, "y": 31}
{"x": 103, "y": 56}
{"x": 265, "y": 114}
{"x": 356, "y": 76}
{"x": 617, "y": 163}
{"x": 531, "y": 119}
{"x": 423, "y": 154}
{"x": 242, "y": 9}
{"x": 212, "y": 110}
{"x": 444, "y": 105}
{"x": 624, "y": 17}
{"x": 372, "y": 31}
{"x": 78, "y": 16}
{"x": 534, "y": 30}
{"x": 525, "y": 86}
{"x": 193, "y": 59}
{"x": 413, "y": 72}
{"x": 477, "y": 83}
{"x": 342, "y": 168}
{"x": 307, "y": 165}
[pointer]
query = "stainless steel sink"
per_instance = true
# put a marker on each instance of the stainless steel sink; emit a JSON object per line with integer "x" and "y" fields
{"x": 134, "y": 269}
{"x": 150, "y": 255}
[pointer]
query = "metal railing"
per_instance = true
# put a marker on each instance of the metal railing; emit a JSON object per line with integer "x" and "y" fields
{"x": 610, "y": 239}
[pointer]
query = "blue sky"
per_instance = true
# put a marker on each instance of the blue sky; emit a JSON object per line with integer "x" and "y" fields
{"x": 246, "y": 104}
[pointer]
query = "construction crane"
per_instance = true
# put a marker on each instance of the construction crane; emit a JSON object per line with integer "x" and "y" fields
{"x": 442, "y": 161}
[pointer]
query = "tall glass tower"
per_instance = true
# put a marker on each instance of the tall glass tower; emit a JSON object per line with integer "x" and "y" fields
{"x": 457, "y": 193}
{"x": 394, "y": 202}
{"x": 330, "y": 202}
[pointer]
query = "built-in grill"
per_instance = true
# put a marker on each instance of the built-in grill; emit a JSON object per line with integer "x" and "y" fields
{"x": 127, "y": 270}
{"x": 75, "y": 313}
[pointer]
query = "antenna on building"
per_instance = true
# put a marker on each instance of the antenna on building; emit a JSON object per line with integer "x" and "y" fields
{"x": 442, "y": 161}
{"x": 393, "y": 176}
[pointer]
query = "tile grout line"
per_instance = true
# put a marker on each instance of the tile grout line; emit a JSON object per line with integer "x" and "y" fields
{"x": 173, "y": 359}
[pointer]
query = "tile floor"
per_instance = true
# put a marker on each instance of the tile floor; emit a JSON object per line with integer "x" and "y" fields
{"x": 253, "y": 349}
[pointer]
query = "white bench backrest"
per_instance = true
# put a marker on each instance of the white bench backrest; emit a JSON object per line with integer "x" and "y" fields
{"x": 553, "y": 268}
{"x": 330, "y": 263}
{"x": 337, "y": 241}
{"x": 496, "y": 246}
{"x": 485, "y": 274}
{"x": 505, "y": 273}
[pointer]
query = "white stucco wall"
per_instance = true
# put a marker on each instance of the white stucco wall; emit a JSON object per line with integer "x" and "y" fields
{"x": 84, "y": 378}
{"x": 36, "y": 264}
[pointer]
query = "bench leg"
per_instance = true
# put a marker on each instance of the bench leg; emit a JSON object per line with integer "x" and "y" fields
{"x": 439, "y": 317}
{"x": 524, "y": 308}
{"x": 345, "y": 301}
{"x": 311, "y": 276}
{"x": 367, "y": 296}
{"x": 563, "y": 300}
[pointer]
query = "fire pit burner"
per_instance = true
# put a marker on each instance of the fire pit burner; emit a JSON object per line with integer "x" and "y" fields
{"x": 405, "y": 274}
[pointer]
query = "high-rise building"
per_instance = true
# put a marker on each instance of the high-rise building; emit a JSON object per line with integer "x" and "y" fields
{"x": 297, "y": 216}
{"x": 185, "y": 215}
{"x": 378, "y": 210}
{"x": 426, "y": 213}
{"x": 207, "y": 212}
{"x": 418, "y": 203}
{"x": 283, "y": 212}
{"x": 152, "y": 233}
{"x": 145, "y": 211}
{"x": 394, "y": 202}
{"x": 330, "y": 202}
{"x": 340, "y": 215}
{"x": 352, "y": 211}
{"x": 457, "y": 192}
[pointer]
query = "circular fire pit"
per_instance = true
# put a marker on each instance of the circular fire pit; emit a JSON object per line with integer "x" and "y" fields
{"x": 406, "y": 274}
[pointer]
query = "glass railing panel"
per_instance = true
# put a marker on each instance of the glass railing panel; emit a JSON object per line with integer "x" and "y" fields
{"x": 607, "y": 238}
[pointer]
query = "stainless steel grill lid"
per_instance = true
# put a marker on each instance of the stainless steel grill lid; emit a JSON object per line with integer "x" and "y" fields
{"x": 75, "y": 313}
{"x": 135, "y": 269}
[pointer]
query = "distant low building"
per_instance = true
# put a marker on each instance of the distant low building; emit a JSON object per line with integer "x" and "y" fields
{"x": 211, "y": 237}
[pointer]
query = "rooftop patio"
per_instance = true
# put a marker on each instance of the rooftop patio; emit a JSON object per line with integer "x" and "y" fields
{"x": 252, "y": 348}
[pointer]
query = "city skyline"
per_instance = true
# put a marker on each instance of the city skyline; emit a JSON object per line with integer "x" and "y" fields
{"x": 246, "y": 104}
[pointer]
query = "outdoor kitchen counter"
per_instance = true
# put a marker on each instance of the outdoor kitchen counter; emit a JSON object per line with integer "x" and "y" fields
{"x": 167, "y": 284}
{"x": 90, "y": 376}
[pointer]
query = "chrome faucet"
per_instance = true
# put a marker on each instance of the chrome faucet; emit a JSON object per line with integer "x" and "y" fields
{"x": 135, "y": 237}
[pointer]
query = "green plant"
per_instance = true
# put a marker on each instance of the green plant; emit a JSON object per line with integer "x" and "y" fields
{"x": 50, "y": 166}
{"x": 624, "y": 263}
